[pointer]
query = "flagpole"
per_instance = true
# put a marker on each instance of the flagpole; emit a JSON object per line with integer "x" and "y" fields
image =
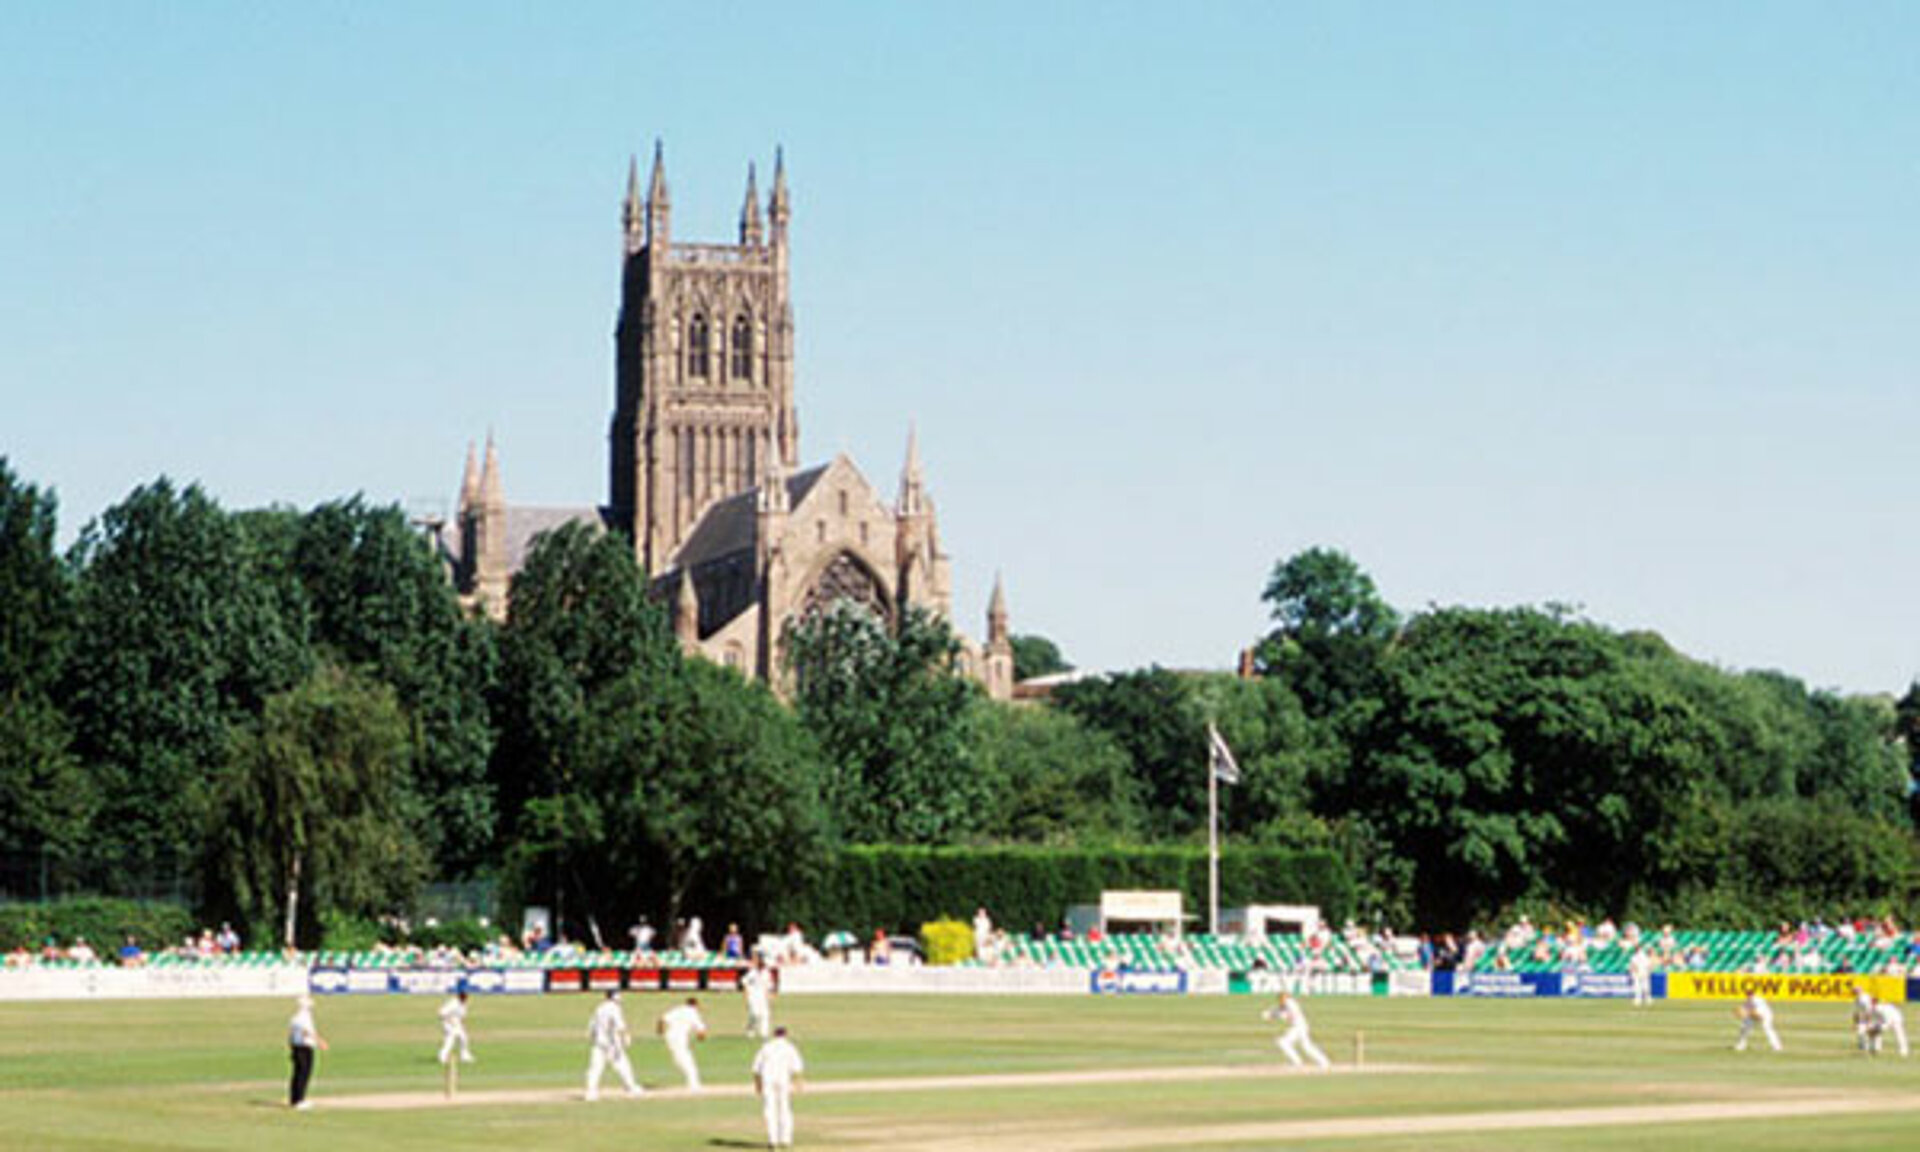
{"x": 1213, "y": 847}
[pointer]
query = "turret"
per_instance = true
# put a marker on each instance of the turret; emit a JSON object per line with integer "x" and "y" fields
{"x": 750, "y": 213}
{"x": 633, "y": 214}
{"x": 490, "y": 552}
{"x": 913, "y": 489}
{"x": 686, "y": 614}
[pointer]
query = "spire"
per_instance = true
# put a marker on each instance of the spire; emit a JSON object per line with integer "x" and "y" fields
{"x": 492, "y": 493}
{"x": 913, "y": 493}
{"x": 657, "y": 185}
{"x": 779, "y": 211}
{"x": 750, "y": 212}
{"x": 470, "y": 481}
{"x": 659, "y": 204}
{"x": 633, "y": 216}
{"x": 997, "y": 630}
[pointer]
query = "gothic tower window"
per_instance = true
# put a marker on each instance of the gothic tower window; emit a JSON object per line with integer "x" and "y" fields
{"x": 698, "y": 346}
{"x": 742, "y": 348}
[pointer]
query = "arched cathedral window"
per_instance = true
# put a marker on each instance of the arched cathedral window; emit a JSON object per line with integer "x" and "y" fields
{"x": 698, "y": 340}
{"x": 742, "y": 348}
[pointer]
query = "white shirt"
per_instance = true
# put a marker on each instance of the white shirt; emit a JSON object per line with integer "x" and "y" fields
{"x": 1888, "y": 1016}
{"x": 778, "y": 1063}
{"x": 756, "y": 983}
{"x": 608, "y": 1028}
{"x": 681, "y": 1023}
{"x": 300, "y": 1030}
{"x": 453, "y": 1014}
{"x": 1759, "y": 1008}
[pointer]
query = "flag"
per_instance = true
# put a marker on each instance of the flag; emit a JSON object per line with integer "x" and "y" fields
{"x": 1220, "y": 757}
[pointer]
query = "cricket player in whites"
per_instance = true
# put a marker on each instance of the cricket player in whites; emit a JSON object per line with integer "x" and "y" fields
{"x": 757, "y": 984}
{"x": 1754, "y": 1012}
{"x": 1296, "y": 1038}
{"x": 453, "y": 1028}
{"x": 1640, "y": 972}
{"x": 1885, "y": 1017}
{"x": 608, "y": 1035}
{"x": 776, "y": 1077}
{"x": 681, "y": 1026}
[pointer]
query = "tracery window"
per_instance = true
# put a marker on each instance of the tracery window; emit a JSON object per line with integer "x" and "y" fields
{"x": 698, "y": 346}
{"x": 741, "y": 346}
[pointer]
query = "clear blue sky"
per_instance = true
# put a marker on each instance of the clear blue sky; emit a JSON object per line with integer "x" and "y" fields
{"x": 1612, "y": 305}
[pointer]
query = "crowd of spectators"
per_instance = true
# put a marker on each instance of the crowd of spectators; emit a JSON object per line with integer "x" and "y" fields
{"x": 206, "y": 944}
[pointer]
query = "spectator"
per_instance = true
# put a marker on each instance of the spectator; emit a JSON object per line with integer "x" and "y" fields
{"x": 733, "y": 946}
{"x": 228, "y": 941}
{"x": 130, "y": 954}
{"x": 81, "y": 952}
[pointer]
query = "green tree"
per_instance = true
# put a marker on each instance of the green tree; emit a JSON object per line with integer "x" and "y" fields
{"x": 1050, "y": 778}
{"x": 579, "y": 621}
{"x": 46, "y": 800}
{"x": 886, "y": 710}
{"x": 314, "y": 812}
{"x": 1036, "y": 656}
{"x": 179, "y": 637}
{"x": 1151, "y": 714}
{"x": 381, "y": 603}
{"x": 1331, "y": 627}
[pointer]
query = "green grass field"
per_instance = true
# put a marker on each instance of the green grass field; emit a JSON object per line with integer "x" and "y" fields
{"x": 211, "y": 1075}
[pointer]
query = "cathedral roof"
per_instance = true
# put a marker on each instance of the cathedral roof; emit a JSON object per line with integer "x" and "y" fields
{"x": 524, "y": 523}
{"x": 729, "y": 526}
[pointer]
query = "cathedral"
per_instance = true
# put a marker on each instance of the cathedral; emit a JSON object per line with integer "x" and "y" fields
{"x": 703, "y": 454}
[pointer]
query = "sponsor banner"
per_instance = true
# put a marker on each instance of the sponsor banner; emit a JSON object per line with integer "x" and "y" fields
{"x": 1497, "y": 985}
{"x": 366, "y": 983}
{"x": 1272, "y": 982}
{"x": 566, "y": 980}
{"x": 424, "y": 981}
{"x": 1782, "y": 986}
{"x": 644, "y": 979}
{"x": 150, "y": 983}
{"x": 1110, "y": 983}
{"x": 518, "y": 980}
{"x": 723, "y": 979}
{"x": 327, "y": 981}
{"x": 603, "y": 979}
{"x": 1597, "y": 985}
{"x": 1410, "y": 983}
{"x": 917, "y": 979}
{"x": 683, "y": 979}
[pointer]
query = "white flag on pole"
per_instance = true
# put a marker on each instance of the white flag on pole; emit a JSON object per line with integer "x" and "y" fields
{"x": 1220, "y": 757}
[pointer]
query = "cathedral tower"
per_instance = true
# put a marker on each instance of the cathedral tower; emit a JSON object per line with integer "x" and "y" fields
{"x": 703, "y": 404}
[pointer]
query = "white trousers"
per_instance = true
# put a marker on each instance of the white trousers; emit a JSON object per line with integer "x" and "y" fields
{"x": 776, "y": 1104}
{"x": 759, "y": 1018}
{"x": 455, "y": 1038}
{"x": 1295, "y": 1041}
{"x": 1878, "y": 1032}
{"x": 1766, "y": 1027}
{"x": 597, "y": 1066}
{"x": 683, "y": 1059}
{"x": 1642, "y": 991}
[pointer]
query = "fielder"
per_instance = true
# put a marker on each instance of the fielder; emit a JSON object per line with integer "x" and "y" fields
{"x": 1865, "y": 1022}
{"x": 776, "y": 1077}
{"x": 1754, "y": 1012}
{"x": 607, "y": 1032}
{"x": 757, "y": 984}
{"x": 1640, "y": 971}
{"x": 1887, "y": 1018}
{"x": 1296, "y": 1038}
{"x": 681, "y": 1026}
{"x": 453, "y": 1028}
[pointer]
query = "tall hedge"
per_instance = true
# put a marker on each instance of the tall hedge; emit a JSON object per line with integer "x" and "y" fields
{"x": 898, "y": 887}
{"x": 104, "y": 921}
